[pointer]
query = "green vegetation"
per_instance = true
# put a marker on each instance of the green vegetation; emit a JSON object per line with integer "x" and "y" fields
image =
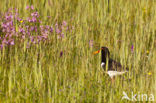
{"x": 65, "y": 70}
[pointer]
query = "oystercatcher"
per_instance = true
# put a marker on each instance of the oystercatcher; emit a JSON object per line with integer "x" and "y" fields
{"x": 114, "y": 68}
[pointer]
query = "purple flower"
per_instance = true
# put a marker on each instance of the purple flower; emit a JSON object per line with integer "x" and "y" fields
{"x": 33, "y": 19}
{"x": 48, "y": 17}
{"x": 61, "y": 53}
{"x": 27, "y": 7}
{"x": 40, "y": 21}
{"x": 23, "y": 36}
{"x": 51, "y": 29}
{"x": 34, "y": 42}
{"x": 35, "y": 14}
{"x": 61, "y": 36}
{"x": 32, "y": 28}
{"x": 45, "y": 36}
{"x": 21, "y": 30}
{"x": 41, "y": 27}
{"x": 35, "y": 28}
{"x": 132, "y": 48}
{"x": 9, "y": 17}
{"x": 29, "y": 20}
{"x": 16, "y": 10}
{"x": 91, "y": 43}
{"x": 12, "y": 42}
{"x": 39, "y": 38}
{"x": 19, "y": 19}
{"x": 31, "y": 38}
{"x": 47, "y": 27}
{"x": 28, "y": 45}
{"x": 32, "y": 14}
{"x": 32, "y": 7}
{"x": 58, "y": 30}
{"x": 27, "y": 26}
{"x": 1, "y": 46}
{"x": 4, "y": 41}
{"x": 64, "y": 23}
{"x": 56, "y": 25}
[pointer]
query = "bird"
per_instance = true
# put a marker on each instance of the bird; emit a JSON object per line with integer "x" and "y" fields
{"x": 114, "y": 68}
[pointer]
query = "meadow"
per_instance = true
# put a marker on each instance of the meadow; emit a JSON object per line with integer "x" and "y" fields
{"x": 46, "y": 50}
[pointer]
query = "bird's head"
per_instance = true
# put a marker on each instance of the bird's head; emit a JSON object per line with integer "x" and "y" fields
{"x": 105, "y": 52}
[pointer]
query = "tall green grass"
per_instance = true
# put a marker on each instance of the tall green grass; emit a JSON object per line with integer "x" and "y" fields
{"x": 77, "y": 76}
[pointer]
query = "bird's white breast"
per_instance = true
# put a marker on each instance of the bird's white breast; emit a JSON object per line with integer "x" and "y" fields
{"x": 102, "y": 64}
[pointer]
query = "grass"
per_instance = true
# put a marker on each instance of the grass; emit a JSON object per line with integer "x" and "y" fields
{"x": 39, "y": 74}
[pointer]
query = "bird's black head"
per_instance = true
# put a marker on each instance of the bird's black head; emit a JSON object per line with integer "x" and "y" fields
{"x": 104, "y": 54}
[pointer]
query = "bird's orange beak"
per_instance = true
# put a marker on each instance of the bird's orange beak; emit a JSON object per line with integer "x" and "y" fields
{"x": 96, "y": 52}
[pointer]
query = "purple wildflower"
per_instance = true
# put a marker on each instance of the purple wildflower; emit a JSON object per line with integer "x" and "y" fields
{"x": 45, "y": 36}
{"x": 35, "y": 14}
{"x": 47, "y": 27}
{"x": 58, "y": 31}
{"x": 19, "y": 19}
{"x": 27, "y": 30}
{"x": 9, "y": 17}
{"x": 56, "y": 25}
{"x": 132, "y": 48}
{"x": 41, "y": 27}
{"x": 91, "y": 43}
{"x": 35, "y": 28}
{"x": 51, "y": 29}
{"x": 4, "y": 41}
{"x": 48, "y": 17}
{"x": 29, "y": 20}
{"x": 32, "y": 28}
{"x": 11, "y": 42}
{"x": 39, "y": 38}
{"x": 32, "y": 7}
{"x": 27, "y": 7}
{"x": 16, "y": 10}
{"x": 1, "y": 46}
{"x": 61, "y": 53}
{"x": 33, "y": 19}
{"x": 64, "y": 23}
{"x": 23, "y": 36}
{"x": 21, "y": 30}
{"x": 31, "y": 38}
{"x": 28, "y": 45}
{"x": 61, "y": 36}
